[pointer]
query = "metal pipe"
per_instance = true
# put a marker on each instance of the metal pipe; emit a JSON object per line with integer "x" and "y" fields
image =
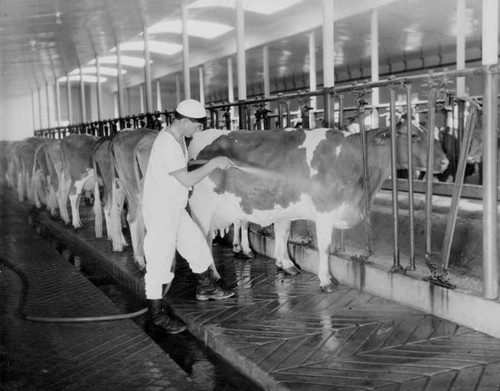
{"x": 457, "y": 189}
{"x": 395, "y": 212}
{"x": 490, "y": 256}
{"x": 410, "y": 177}
{"x": 329, "y": 117}
{"x": 366, "y": 178}
{"x": 430, "y": 169}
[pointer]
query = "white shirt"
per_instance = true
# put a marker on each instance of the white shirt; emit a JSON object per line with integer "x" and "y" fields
{"x": 160, "y": 188}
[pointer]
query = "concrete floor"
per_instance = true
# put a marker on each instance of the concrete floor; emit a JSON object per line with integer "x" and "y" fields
{"x": 285, "y": 334}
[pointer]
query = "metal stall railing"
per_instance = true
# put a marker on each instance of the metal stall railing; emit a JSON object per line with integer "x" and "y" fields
{"x": 277, "y": 111}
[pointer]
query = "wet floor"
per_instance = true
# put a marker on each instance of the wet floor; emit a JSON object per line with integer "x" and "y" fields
{"x": 205, "y": 367}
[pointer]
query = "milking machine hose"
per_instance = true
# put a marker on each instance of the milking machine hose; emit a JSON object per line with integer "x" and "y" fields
{"x": 61, "y": 319}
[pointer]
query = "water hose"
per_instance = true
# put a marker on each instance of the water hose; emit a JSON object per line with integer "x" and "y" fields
{"x": 46, "y": 319}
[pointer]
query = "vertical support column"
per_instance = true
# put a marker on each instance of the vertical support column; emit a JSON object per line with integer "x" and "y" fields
{"x": 201, "y": 85}
{"x": 58, "y": 104}
{"x": 141, "y": 97}
{"x": 490, "y": 102}
{"x": 230, "y": 85}
{"x": 185, "y": 51}
{"x": 178, "y": 87}
{"x": 69, "y": 98}
{"x": 40, "y": 107}
{"x": 158, "y": 95}
{"x": 98, "y": 88}
{"x": 460, "y": 46}
{"x": 240, "y": 48}
{"x": 83, "y": 108}
{"x": 312, "y": 70}
{"x": 328, "y": 64}
{"x": 33, "y": 109}
{"x": 129, "y": 101}
{"x": 265, "y": 69}
{"x": 147, "y": 72}
{"x": 411, "y": 208}
{"x": 374, "y": 66}
{"x": 47, "y": 97}
{"x": 119, "y": 81}
{"x": 328, "y": 44}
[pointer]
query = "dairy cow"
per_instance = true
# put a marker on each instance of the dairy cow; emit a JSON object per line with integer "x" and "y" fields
{"x": 301, "y": 174}
{"x": 130, "y": 152}
{"x": 77, "y": 172}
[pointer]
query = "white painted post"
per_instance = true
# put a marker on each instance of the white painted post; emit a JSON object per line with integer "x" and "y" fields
{"x": 147, "y": 72}
{"x": 460, "y": 45}
{"x": 375, "y": 67}
{"x": 240, "y": 48}
{"x": 185, "y": 51}
{"x": 201, "y": 85}
{"x": 158, "y": 95}
{"x": 490, "y": 101}
{"x": 328, "y": 44}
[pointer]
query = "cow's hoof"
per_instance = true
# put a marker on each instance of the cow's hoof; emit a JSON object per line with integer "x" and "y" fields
{"x": 292, "y": 271}
{"x": 330, "y": 288}
{"x": 249, "y": 255}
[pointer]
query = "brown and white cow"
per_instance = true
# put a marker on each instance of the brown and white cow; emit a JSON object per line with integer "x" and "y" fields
{"x": 302, "y": 174}
{"x": 130, "y": 152}
{"x": 26, "y": 154}
{"x": 78, "y": 173}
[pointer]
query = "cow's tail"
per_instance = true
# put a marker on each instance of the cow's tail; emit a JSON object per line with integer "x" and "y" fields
{"x": 36, "y": 190}
{"x": 97, "y": 205}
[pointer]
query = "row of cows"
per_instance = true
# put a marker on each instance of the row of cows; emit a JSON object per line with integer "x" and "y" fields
{"x": 281, "y": 176}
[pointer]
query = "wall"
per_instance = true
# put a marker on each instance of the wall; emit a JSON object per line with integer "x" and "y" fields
{"x": 16, "y": 118}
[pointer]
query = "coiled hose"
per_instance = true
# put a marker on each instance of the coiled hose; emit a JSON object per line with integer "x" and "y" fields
{"x": 45, "y": 319}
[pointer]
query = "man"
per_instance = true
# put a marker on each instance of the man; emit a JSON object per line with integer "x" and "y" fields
{"x": 168, "y": 225}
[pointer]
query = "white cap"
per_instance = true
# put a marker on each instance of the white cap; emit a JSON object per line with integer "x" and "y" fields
{"x": 191, "y": 108}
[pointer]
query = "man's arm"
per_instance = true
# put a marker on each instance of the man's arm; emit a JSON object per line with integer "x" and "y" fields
{"x": 190, "y": 178}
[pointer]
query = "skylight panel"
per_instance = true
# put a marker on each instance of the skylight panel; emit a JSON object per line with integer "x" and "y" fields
{"x": 154, "y": 47}
{"x": 86, "y": 78}
{"x": 102, "y": 70}
{"x": 129, "y": 61}
{"x": 196, "y": 28}
{"x": 264, "y": 7}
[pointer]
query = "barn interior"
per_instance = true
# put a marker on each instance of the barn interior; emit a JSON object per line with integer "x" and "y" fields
{"x": 99, "y": 67}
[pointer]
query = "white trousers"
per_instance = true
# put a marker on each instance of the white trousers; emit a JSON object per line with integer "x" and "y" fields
{"x": 168, "y": 230}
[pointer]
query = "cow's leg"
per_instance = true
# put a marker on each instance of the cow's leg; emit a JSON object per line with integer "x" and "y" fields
{"x": 97, "y": 211}
{"x": 137, "y": 243}
{"x": 237, "y": 238}
{"x": 117, "y": 201}
{"x": 63, "y": 194}
{"x": 281, "y": 234}
{"x": 324, "y": 228}
{"x": 244, "y": 243}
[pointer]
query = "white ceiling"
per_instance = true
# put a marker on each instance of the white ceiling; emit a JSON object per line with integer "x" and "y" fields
{"x": 42, "y": 40}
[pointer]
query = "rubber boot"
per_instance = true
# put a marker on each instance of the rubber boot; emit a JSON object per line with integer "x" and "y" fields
{"x": 208, "y": 289}
{"x": 161, "y": 320}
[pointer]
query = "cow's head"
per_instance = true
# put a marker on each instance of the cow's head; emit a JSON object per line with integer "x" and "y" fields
{"x": 420, "y": 141}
